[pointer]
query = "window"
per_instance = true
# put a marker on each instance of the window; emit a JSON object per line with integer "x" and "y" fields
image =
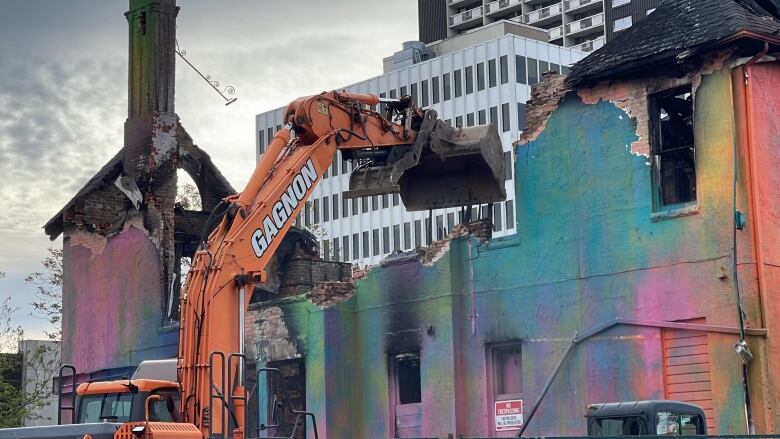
{"x": 622, "y": 23}
{"x": 316, "y": 211}
{"x": 382, "y": 107}
{"x": 393, "y": 94}
{"x": 504, "y": 69}
{"x": 544, "y": 67}
{"x": 448, "y": 121}
{"x": 671, "y": 136}
{"x": 374, "y": 202}
{"x": 510, "y": 214}
{"x": 336, "y": 250}
{"x": 458, "y": 121}
{"x": 481, "y": 117}
{"x": 335, "y": 166}
{"x": 450, "y": 221}
{"x": 413, "y": 87}
{"x": 345, "y": 207}
{"x": 325, "y": 209}
{"x": 446, "y": 83}
{"x": 520, "y": 116}
{"x": 406, "y": 368}
{"x": 505, "y": 117}
{"x": 678, "y": 424}
{"x": 458, "y": 83}
{"x": 261, "y": 140}
{"x": 364, "y": 204}
{"x": 480, "y": 76}
{"x": 533, "y": 72}
{"x": 385, "y": 239}
{"x": 618, "y": 426}
{"x": 520, "y": 69}
{"x": 355, "y": 209}
{"x": 492, "y": 73}
{"x": 497, "y": 217}
{"x": 469, "y": 80}
{"x": 375, "y": 241}
{"x": 428, "y": 231}
{"x": 356, "y": 245}
{"x": 307, "y": 213}
{"x": 494, "y": 115}
{"x": 424, "y": 93}
{"x": 344, "y": 164}
{"x": 418, "y": 233}
{"x": 507, "y": 165}
{"x": 326, "y": 250}
{"x": 616, "y": 3}
{"x": 366, "y": 252}
{"x": 649, "y": 11}
{"x": 440, "y": 227}
{"x": 396, "y": 237}
{"x": 555, "y": 68}
{"x": 506, "y": 369}
{"x": 112, "y": 407}
{"x": 470, "y": 120}
{"x": 278, "y": 128}
{"x": 396, "y": 199}
{"x": 335, "y": 206}
{"x": 435, "y": 87}
{"x": 402, "y": 91}
{"x": 385, "y": 201}
{"x": 407, "y": 236}
{"x": 345, "y": 247}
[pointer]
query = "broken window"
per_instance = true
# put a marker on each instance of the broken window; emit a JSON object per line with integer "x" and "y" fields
{"x": 674, "y": 158}
{"x": 469, "y": 80}
{"x": 506, "y": 369}
{"x": 407, "y": 378}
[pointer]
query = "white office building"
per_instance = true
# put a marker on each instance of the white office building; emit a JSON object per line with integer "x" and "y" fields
{"x": 476, "y": 78}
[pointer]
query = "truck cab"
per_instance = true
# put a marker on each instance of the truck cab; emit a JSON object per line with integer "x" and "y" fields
{"x": 646, "y": 418}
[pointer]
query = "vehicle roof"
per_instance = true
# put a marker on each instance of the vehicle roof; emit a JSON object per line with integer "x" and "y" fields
{"x": 633, "y": 407}
{"x": 122, "y": 386}
{"x": 157, "y": 370}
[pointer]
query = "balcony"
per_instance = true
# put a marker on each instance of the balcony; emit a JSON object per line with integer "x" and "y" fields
{"x": 590, "y": 46}
{"x": 556, "y": 33}
{"x": 579, "y": 6}
{"x": 462, "y": 3}
{"x": 588, "y": 25}
{"x": 543, "y": 16}
{"x": 500, "y": 7}
{"x": 466, "y": 19}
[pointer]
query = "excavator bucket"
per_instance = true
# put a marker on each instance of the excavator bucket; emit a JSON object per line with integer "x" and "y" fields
{"x": 445, "y": 167}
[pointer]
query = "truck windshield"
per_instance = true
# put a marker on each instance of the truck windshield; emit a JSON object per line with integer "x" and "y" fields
{"x": 112, "y": 407}
{"x": 619, "y": 426}
{"x": 675, "y": 424}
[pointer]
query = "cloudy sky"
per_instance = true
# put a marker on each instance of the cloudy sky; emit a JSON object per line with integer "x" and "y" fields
{"x": 63, "y": 93}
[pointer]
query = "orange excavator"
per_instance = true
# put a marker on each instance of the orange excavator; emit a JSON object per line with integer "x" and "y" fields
{"x": 399, "y": 147}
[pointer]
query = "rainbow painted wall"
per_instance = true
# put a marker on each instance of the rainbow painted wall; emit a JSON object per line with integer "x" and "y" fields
{"x": 589, "y": 250}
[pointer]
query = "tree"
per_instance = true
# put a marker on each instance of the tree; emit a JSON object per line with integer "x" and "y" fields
{"x": 48, "y": 292}
{"x": 188, "y": 197}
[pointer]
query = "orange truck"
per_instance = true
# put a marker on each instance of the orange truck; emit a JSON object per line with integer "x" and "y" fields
{"x": 400, "y": 148}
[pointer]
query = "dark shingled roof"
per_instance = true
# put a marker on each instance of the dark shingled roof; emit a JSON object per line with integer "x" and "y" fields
{"x": 652, "y": 45}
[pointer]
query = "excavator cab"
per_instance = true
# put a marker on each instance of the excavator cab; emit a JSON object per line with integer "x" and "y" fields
{"x": 445, "y": 167}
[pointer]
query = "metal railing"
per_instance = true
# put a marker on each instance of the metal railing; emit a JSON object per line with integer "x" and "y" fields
{"x": 541, "y": 14}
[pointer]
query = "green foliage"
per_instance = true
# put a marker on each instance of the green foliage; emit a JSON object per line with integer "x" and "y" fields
{"x": 188, "y": 197}
{"x": 48, "y": 292}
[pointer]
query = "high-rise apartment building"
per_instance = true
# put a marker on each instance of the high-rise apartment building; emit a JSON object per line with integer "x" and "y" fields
{"x": 582, "y": 24}
{"x": 481, "y": 78}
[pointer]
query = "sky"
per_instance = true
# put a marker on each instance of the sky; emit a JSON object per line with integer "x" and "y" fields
{"x": 63, "y": 94}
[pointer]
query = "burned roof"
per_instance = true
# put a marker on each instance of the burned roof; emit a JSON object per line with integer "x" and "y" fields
{"x": 677, "y": 26}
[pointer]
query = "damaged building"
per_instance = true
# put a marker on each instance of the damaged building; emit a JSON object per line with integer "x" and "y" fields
{"x": 647, "y": 216}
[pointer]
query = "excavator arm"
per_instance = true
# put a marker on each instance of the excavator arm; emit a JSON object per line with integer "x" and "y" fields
{"x": 251, "y": 224}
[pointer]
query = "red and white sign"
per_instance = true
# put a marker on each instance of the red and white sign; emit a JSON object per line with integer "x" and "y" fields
{"x": 509, "y": 415}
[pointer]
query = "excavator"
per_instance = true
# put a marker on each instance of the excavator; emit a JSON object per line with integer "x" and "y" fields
{"x": 398, "y": 147}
